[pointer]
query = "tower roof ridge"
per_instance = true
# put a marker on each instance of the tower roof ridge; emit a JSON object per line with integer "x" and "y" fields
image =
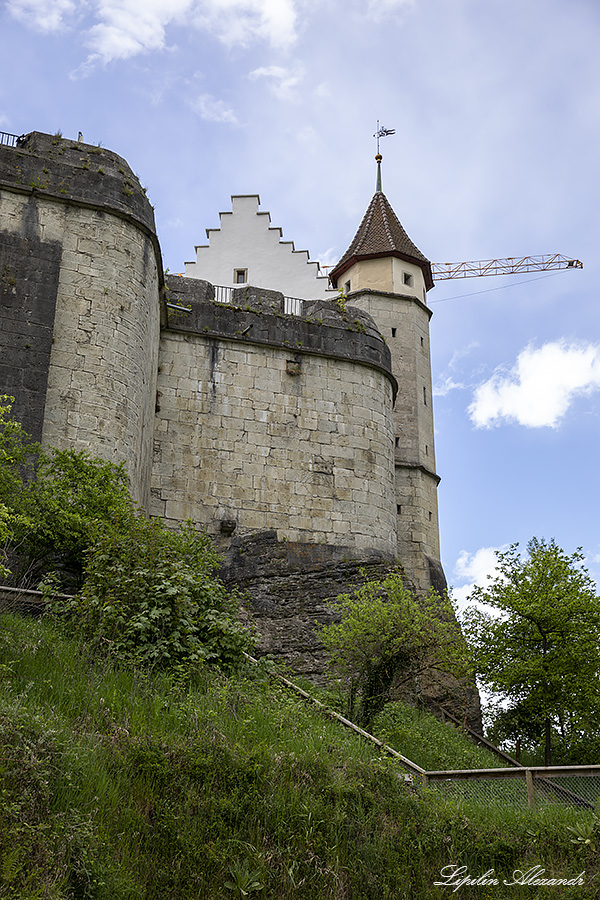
{"x": 381, "y": 234}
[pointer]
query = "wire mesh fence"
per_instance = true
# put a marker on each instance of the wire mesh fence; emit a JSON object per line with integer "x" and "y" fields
{"x": 19, "y": 601}
{"x": 576, "y": 787}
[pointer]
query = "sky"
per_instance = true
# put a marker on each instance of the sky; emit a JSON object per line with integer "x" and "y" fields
{"x": 496, "y": 111}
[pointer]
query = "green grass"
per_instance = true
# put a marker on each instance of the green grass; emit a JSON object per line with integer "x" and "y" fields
{"x": 432, "y": 744}
{"x": 126, "y": 786}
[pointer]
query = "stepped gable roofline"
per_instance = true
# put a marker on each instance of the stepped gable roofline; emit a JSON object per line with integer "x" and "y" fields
{"x": 381, "y": 234}
{"x": 259, "y": 212}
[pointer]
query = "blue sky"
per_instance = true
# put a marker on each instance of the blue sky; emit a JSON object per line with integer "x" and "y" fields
{"x": 496, "y": 107}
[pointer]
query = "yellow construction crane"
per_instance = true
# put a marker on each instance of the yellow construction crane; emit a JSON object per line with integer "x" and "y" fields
{"x": 510, "y": 266}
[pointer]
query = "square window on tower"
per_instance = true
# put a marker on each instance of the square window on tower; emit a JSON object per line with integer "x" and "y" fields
{"x": 408, "y": 279}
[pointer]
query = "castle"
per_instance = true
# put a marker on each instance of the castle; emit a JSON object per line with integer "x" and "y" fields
{"x": 300, "y": 436}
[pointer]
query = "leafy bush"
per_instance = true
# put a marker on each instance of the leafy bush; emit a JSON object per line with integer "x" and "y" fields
{"x": 72, "y": 500}
{"x": 16, "y": 455}
{"x": 388, "y": 637}
{"x": 53, "y": 504}
{"x": 150, "y": 595}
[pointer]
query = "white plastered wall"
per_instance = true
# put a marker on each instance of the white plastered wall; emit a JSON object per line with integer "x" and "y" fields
{"x": 246, "y": 241}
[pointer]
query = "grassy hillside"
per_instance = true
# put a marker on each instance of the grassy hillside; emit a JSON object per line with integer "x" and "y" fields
{"x": 126, "y": 786}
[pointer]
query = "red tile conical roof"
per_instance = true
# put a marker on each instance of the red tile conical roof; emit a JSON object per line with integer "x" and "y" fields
{"x": 381, "y": 234}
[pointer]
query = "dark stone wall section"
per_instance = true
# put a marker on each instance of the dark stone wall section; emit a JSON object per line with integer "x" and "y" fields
{"x": 290, "y": 587}
{"x": 29, "y": 272}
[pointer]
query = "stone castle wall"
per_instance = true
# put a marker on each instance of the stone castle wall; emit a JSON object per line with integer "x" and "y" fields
{"x": 276, "y": 432}
{"x": 271, "y": 422}
{"x": 80, "y": 274}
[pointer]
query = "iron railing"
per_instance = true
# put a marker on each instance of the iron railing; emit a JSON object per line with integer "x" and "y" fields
{"x": 292, "y": 306}
{"x": 10, "y": 140}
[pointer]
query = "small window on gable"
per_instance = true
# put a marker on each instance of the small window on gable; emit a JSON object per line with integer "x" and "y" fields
{"x": 240, "y": 276}
{"x": 408, "y": 279}
{"x": 347, "y": 287}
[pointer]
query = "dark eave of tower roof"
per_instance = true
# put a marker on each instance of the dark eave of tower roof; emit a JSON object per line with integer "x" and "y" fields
{"x": 381, "y": 234}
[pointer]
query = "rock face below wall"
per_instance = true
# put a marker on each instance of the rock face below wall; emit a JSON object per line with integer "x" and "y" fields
{"x": 290, "y": 588}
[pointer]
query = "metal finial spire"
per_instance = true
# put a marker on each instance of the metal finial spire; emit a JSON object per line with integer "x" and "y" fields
{"x": 381, "y": 132}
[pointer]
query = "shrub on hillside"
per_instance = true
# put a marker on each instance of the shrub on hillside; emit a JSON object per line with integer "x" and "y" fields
{"x": 388, "y": 637}
{"x": 72, "y": 500}
{"x": 150, "y": 596}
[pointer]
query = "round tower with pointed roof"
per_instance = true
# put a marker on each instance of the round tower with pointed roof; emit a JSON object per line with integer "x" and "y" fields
{"x": 384, "y": 273}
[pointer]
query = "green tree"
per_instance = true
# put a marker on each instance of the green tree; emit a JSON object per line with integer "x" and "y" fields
{"x": 387, "y": 637}
{"x": 537, "y": 645}
{"x": 17, "y": 454}
{"x": 53, "y": 504}
{"x": 71, "y": 500}
{"x": 151, "y": 596}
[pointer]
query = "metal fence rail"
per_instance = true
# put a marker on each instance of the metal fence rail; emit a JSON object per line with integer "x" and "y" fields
{"x": 10, "y": 140}
{"x": 574, "y": 786}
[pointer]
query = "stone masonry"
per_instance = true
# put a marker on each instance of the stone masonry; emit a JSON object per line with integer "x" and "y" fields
{"x": 276, "y": 433}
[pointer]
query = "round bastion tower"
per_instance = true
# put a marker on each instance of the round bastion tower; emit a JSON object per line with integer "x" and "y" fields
{"x": 385, "y": 274}
{"x": 80, "y": 311}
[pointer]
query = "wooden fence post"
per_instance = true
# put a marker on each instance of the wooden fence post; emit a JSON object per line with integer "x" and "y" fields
{"x": 530, "y": 789}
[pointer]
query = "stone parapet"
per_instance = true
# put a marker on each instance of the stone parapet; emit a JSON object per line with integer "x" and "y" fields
{"x": 325, "y": 329}
{"x": 71, "y": 171}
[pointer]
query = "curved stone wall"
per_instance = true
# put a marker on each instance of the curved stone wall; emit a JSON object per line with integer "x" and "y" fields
{"x": 274, "y": 422}
{"x": 80, "y": 212}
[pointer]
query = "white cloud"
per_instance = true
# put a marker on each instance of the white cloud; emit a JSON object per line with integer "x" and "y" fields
{"x": 539, "y": 389}
{"x": 212, "y": 110}
{"x": 328, "y": 258}
{"x": 129, "y": 27}
{"x": 282, "y": 81}
{"x": 125, "y": 28}
{"x": 323, "y": 91}
{"x": 446, "y": 382}
{"x": 43, "y": 15}
{"x": 243, "y": 21}
{"x": 377, "y": 10}
{"x": 445, "y": 385}
{"x": 474, "y": 568}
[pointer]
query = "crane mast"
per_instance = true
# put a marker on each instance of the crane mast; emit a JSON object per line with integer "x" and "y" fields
{"x": 508, "y": 266}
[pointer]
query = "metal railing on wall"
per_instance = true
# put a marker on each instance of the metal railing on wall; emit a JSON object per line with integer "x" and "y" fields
{"x": 10, "y": 140}
{"x": 292, "y": 306}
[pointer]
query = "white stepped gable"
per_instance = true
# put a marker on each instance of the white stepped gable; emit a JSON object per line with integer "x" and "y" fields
{"x": 247, "y": 249}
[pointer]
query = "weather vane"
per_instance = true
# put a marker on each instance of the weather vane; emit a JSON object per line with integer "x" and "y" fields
{"x": 382, "y": 132}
